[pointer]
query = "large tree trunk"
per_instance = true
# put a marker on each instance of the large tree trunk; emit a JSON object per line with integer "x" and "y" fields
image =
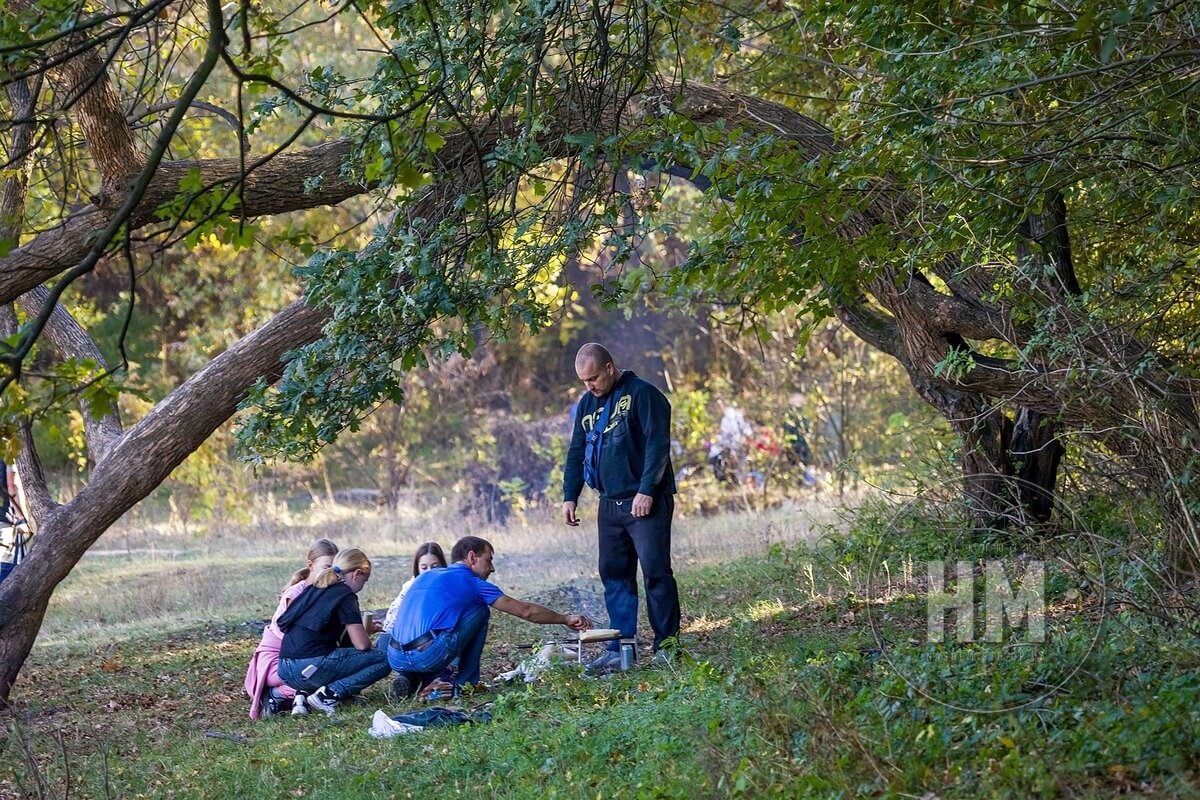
{"x": 1036, "y": 452}
{"x": 142, "y": 459}
{"x": 984, "y": 433}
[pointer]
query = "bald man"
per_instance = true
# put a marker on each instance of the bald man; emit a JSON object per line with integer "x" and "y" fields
{"x": 620, "y": 446}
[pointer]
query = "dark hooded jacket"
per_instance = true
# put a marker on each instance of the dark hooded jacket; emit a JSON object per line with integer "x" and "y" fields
{"x": 636, "y": 454}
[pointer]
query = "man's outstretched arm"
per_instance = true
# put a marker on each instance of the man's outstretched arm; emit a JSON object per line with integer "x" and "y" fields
{"x": 532, "y": 612}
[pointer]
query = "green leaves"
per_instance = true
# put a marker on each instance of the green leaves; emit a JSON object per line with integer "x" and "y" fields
{"x": 433, "y": 141}
{"x": 584, "y": 140}
{"x": 64, "y": 391}
{"x": 409, "y": 297}
{"x": 210, "y": 210}
{"x": 485, "y": 259}
{"x": 956, "y": 365}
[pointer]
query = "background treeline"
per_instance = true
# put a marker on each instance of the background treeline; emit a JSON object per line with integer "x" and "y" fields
{"x": 489, "y": 431}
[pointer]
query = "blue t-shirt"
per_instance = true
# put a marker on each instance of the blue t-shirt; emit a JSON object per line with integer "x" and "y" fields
{"x": 439, "y": 598}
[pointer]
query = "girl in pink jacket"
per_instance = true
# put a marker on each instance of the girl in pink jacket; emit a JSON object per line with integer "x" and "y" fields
{"x": 263, "y": 684}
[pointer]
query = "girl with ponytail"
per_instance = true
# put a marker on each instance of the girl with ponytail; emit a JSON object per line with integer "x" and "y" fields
{"x": 268, "y": 693}
{"x": 310, "y": 660}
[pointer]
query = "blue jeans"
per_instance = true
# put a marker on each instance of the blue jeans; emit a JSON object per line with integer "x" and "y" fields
{"x": 465, "y": 643}
{"x": 626, "y": 540}
{"x": 346, "y": 671}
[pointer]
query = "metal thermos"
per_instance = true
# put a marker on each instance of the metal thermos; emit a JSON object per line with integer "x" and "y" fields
{"x": 626, "y": 657}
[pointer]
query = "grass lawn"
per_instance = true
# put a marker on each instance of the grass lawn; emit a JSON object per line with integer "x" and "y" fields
{"x": 783, "y": 690}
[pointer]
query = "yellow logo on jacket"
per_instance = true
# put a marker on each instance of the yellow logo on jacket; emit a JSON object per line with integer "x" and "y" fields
{"x": 621, "y": 410}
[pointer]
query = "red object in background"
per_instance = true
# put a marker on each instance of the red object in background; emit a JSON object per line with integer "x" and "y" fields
{"x": 765, "y": 441}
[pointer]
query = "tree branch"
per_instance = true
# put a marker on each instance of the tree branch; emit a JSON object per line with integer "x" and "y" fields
{"x": 33, "y": 479}
{"x": 19, "y": 161}
{"x": 101, "y": 431}
{"x": 29, "y": 466}
{"x": 216, "y": 45}
{"x": 272, "y": 187}
{"x": 215, "y": 110}
{"x": 109, "y": 136}
{"x": 872, "y": 327}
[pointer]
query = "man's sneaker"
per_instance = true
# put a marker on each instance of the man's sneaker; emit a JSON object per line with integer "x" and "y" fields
{"x": 402, "y": 688}
{"x": 324, "y": 699}
{"x": 300, "y": 705}
{"x": 663, "y": 658}
{"x": 608, "y": 661}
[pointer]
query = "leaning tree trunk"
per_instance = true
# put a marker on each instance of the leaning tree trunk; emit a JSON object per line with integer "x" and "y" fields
{"x": 142, "y": 459}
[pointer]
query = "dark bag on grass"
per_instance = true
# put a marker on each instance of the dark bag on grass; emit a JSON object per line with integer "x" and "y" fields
{"x": 438, "y": 717}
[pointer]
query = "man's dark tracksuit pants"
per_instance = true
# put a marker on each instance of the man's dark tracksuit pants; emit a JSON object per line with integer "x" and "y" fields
{"x": 626, "y": 540}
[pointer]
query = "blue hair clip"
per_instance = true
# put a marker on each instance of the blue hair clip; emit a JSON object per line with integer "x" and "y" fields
{"x": 337, "y": 570}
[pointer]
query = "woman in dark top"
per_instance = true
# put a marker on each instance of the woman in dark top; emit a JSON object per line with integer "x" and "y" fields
{"x": 309, "y": 658}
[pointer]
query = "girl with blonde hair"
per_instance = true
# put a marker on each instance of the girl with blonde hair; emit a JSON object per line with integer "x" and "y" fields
{"x": 310, "y": 660}
{"x": 268, "y": 693}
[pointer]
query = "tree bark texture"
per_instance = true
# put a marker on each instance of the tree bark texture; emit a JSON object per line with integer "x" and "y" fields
{"x": 83, "y": 83}
{"x": 70, "y": 340}
{"x": 23, "y": 100}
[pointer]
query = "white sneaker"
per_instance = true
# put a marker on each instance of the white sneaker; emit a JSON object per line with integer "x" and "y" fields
{"x": 324, "y": 699}
{"x": 299, "y": 705}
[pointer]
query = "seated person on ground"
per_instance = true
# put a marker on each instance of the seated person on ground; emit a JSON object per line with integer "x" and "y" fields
{"x": 446, "y": 614}
{"x": 310, "y": 660}
{"x": 428, "y": 556}
{"x": 263, "y": 673}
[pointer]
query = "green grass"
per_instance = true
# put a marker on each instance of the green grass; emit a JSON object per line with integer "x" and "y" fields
{"x": 782, "y": 692}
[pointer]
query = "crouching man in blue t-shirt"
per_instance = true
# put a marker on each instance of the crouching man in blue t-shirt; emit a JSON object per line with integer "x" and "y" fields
{"x": 445, "y": 616}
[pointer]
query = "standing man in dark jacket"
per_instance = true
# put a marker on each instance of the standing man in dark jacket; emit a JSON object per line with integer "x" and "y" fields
{"x": 620, "y": 446}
